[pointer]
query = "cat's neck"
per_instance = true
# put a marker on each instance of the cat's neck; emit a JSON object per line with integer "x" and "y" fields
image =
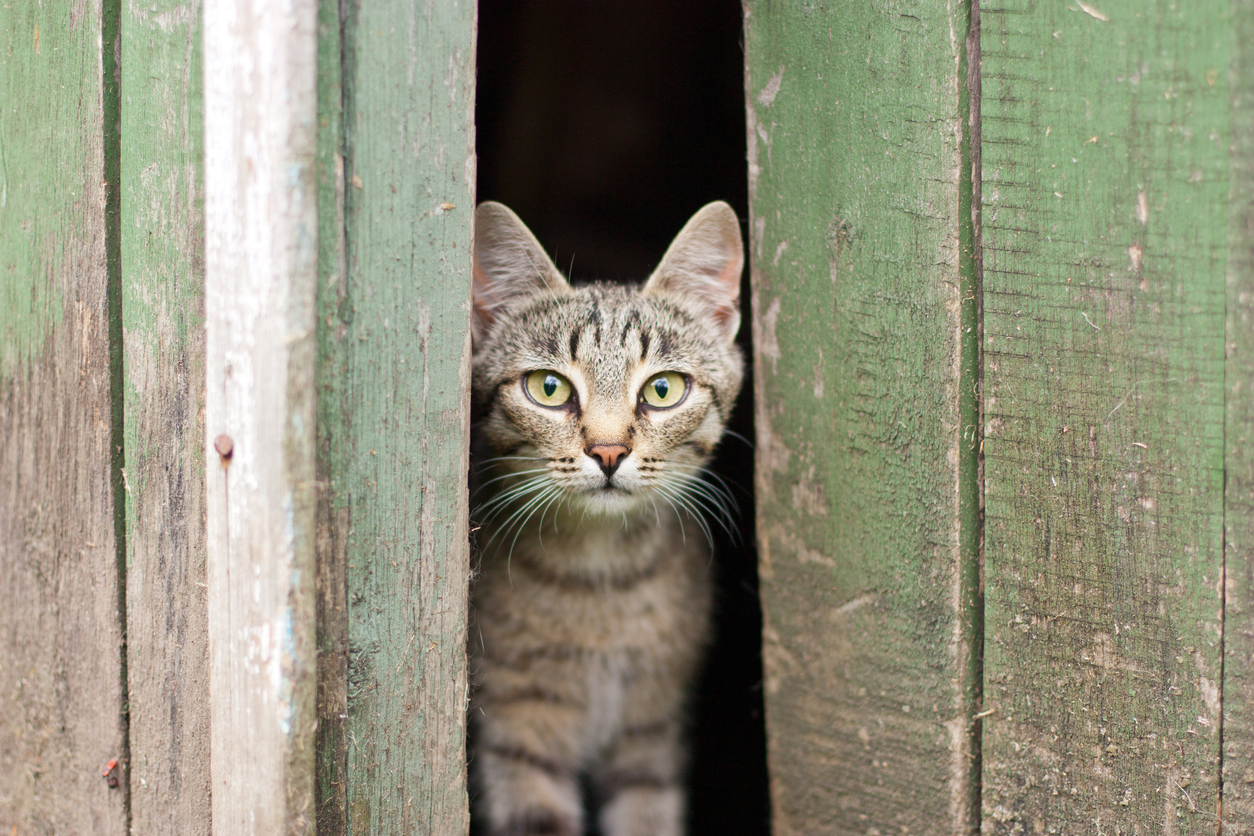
{"x": 609, "y": 547}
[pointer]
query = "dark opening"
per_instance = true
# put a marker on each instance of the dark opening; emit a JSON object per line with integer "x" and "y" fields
{"x": 605, "y": 126}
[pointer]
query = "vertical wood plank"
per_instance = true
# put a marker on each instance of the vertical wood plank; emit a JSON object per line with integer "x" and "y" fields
{"x": 260, "y": 283}
{"x": 162, "y": 235}
{"x": 1105, "y": 131}
{"x": 1238, "y": 684}
{"x": 855, "y": 163}
{"x": 60, "y": 621}
{"x": 332, "y": 457}
{"x": 394, "y": 377}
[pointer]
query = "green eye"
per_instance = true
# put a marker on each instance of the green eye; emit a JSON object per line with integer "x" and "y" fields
{"x": 664, "y": 390}
{"x": 547, "y": 388}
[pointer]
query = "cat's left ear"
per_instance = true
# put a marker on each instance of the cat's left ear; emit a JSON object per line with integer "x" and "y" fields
{"x": 509, "y": 264}
{"x": 703, "y": 266}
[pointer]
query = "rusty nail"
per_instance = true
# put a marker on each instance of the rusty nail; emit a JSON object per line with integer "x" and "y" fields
{"x": 110, "y": 777}
{"x": 225, "y": 447}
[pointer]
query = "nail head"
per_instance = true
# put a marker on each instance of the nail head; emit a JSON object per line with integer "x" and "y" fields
{"x": 110, "y": 776}
{"x": 224, "y": 445}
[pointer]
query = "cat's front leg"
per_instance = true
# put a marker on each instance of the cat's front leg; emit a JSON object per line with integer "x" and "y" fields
{"x": 526, "y": 754}
{"x": 524, "y": 795}
{"x": 640, "y": 783}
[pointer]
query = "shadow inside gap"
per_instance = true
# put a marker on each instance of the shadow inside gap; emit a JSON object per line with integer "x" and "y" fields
{"x": 605, "y": 127}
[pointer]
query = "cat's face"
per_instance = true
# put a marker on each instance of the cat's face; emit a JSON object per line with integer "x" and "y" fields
{"x": 602, "y": 398}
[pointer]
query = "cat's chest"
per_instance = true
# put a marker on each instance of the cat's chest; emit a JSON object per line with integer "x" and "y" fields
{"x": 630, "y": 612}
{"x": 622, "y": 610}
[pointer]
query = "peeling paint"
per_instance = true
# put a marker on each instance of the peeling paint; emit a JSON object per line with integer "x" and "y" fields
{"x": 767, "y": 97}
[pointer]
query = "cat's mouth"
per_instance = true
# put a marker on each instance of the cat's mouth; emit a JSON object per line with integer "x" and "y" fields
{"x": 610, "y": 498}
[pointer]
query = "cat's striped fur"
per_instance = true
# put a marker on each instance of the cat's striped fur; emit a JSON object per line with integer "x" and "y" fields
{"x": 592, "y": 600}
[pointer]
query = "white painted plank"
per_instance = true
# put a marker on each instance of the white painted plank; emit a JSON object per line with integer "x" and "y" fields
{"x": 260, "y": 252}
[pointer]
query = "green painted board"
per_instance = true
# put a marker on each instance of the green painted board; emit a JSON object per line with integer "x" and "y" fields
{"x": 856, "y": 152}
{"x": 1105, "y": 229}
{"x": 61, "y": 673}
{"x": 396, "y": 174}
{"x": 162, "y": 262}
{"x": 1238, "y": 687}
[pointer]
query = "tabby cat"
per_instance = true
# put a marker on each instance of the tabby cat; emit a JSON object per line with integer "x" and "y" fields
{"x": 596, "y": 409}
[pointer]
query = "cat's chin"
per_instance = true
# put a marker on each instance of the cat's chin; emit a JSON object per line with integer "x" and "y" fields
{"x": 611, "y": 502}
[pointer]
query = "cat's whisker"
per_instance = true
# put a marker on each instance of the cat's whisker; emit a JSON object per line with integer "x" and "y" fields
{"x": 487, "y": 465}
{"x": 656, "y": 516}
{"x": 728, "y": 484}
{"x": 532, "y": 505}
{"x": 540, "y": 525}
{"x": 709, "y": 498}
{"x": 719, "y": 486}
{"x": 495, "y": 459}
{"x": 535, "y": 479}
{"x": 516, "y": 520}
{"x": 483, "y": 485}
{"x": 522, "y": 524}
{"x": 739, "y": 438}
{"x": 699, "y": 493}
{"x": 704, "y": 500}
{"x": 479, "y": 468}
{"x": 564, "y": 500}
{"x": 711, "y": 513}
{"x": 678, "y": 515}
{"x": 489, "y": 510}
{"x": 677, "y": 495}
{"x": 716, "y": 483}
{"x": 719, "y": 483}
{"x": 507, "y": 524}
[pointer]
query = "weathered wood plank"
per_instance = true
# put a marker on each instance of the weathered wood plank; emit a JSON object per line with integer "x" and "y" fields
{"x": 855, "y": 161}
{"x": 394, "y": 381}
{"x": 260, "y": 284}
{"x": 1105, "y": 131}
{"x": 332, "y": 520}
{"x": 1238, "y": 685}
{"x": 60, "y": 621}
{"x": 162, "y": 234}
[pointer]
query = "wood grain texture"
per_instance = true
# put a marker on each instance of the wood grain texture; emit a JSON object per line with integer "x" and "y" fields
{"x": 1238, "y": 683}
{"x": 1105, "y": 142}
{"x": 260, "y": 286}
{"x": 394, "y": 384}
{"x": 332, "y": 458}
{"x": 162, "y": 242}
{"x": 60, "y": 623}
{"x": 855, "y": 134}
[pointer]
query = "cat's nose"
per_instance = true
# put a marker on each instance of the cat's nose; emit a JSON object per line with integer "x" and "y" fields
{"x": 609, "y": 455}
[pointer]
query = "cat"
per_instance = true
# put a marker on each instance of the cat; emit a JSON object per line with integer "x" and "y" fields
{"x": 596, "y": 409}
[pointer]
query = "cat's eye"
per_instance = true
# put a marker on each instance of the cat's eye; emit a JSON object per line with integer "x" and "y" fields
{"x": 664, "y": 390}
{"x": 547, "y": 387}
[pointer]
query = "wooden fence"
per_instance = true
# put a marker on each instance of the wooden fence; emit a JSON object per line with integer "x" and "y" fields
{"x": 1003, "y": 315}
{"x": 1005, "y": 509}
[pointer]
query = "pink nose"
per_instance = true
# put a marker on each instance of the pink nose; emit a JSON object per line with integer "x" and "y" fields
{"x": 609, "y": 455}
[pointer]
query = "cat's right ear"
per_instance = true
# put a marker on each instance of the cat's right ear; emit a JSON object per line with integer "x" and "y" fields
{"x": 703, "y": 266}
{"x": 509, "y": 264}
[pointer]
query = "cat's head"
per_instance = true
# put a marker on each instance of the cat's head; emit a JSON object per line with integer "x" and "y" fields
{"x": 604, "y": 398}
